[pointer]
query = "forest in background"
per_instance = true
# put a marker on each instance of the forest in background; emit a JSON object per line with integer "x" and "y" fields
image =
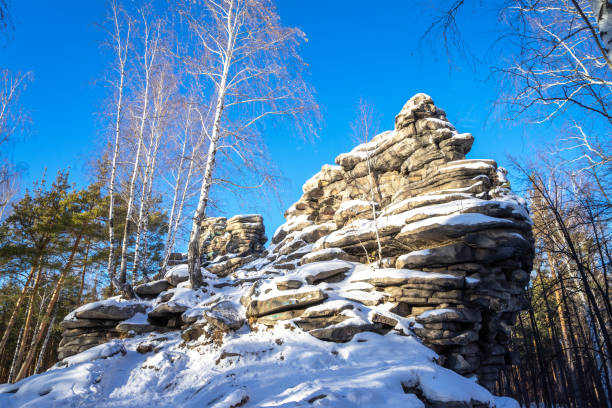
{"x": 188, "y": 87}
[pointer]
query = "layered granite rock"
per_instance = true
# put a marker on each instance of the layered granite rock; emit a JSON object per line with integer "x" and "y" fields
{"x": 226, "y": 244}
{"x": 456, "y": 243}
{"x": 94, "y": 324}
{"x": 159, "y": 307}
{"x": 402, "y": 236}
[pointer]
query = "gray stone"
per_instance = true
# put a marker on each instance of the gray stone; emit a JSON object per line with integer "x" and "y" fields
{"x": 328, "y": 255}
{"x": 152, "y": 288}
{"x": 112, "y": 311}
{"x": 261, "y": 307}
{"x": 166, "y": 310}
{"x": 224, "y": 316}
{"x": 87, "y": 323}
{"x": 319, "y": 271}
{"x": 342, "y": 334}
{"x": 138, "y": 328}
{"x": 450, "y": 315}
{"x": 287, "y": 284}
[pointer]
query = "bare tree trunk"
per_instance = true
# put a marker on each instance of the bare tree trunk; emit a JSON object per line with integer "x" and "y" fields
{"x": 130, "y": 211}
{"x": 43, "y": 350}
{"x": 373, "y": 204}
{"x": 122, "y": 51}
{"x": 547, "y": 391}
{"x": 13, "y": 318}
{"x": 82, "y": 284}
{"x": 149, "y": 57}
{"x": 181, "y": 206}
{"x": 147, "y": 188}
{"x": 193, "y": 254}
{"x": 45, "y": 320}
{"x": 14, "y": 362}
{"x": 139, "y": 223}
{"x": 28, "y": 322}
{"x": 171, "y": 223}
{"x": 561, "y": 366}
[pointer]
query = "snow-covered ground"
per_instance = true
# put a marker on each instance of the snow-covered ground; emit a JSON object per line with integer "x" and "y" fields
{"x": 281, "y": 367}
{"x": 256, "y": 366}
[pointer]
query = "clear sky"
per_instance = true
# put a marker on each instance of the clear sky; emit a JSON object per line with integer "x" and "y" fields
{"x": 355, "y": 48}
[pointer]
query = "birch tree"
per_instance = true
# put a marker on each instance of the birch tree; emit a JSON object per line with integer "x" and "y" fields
{"x": 363, "y": 128}
{"x": 191, "y": 140}
{"x": 164, "y": 100}
{"x": 149, "y": 52}
{"x": 251, "y": 66}
{"x": 120, "y": 31}
{"x": 13, "y": 119}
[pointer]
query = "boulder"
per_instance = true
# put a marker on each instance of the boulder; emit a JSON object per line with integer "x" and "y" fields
{"x": 177, "y": 274}
{"x": 86, "y": 323}
{"x": 110, "y": 310}
{"x": 287, "y": 284}
{"x": 152, "y": 288}
{"x": 327, "y": 254}
{"x": 449, "y": 315}
{"x": 225, "y": 316}
{"x": 279, "y": 303}
{"x": 166, "y": 310}
{"x": 344, "y": 333}
{"x": 138, "y": 328}
{"x": 320, "y": 271}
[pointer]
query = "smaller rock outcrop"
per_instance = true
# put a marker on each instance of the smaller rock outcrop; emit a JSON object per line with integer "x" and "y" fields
{"x": 226, "y": 244}
{"x": 94, "y": 324}
{"x": 241, "y": 234}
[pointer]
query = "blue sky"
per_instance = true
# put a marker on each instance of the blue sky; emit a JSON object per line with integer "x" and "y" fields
{"x": 355, "y": 48}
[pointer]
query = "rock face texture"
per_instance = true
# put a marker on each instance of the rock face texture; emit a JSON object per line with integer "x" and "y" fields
{"x": 403, "y": 236}
{"x": 241, "y": 234}
{"x": 95, "y": 324}
{"x": 458, "y": 239}
{"x": 227, "y": 244}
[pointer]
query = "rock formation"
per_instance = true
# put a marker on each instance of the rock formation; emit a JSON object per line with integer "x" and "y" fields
{"x": 227, "y": 244}
{"x": 459, "y": 237}
{"x": 456, "y": 254}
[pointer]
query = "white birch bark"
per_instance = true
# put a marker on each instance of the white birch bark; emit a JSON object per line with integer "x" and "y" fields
{"x": 43, "y": 349}
{"x": 162, "y": 92}
{"x": 14, "y": 361}
{"x": 195, "y": 276}
{"x": 169, "y": 244}
{"x": 121, "y": 49}
{"x": 149, "y": 58}
{"x": 254, "y": 67}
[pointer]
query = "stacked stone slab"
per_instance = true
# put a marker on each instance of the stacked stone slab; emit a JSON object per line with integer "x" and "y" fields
{"x": 229, "y": 243}
{"x": 453, "y": 220}
{"x": 94, "y": 324}
{"x": 241, "y": 234}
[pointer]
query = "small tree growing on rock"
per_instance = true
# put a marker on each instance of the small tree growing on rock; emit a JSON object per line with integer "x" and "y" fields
{"x": 363, "y": 128}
